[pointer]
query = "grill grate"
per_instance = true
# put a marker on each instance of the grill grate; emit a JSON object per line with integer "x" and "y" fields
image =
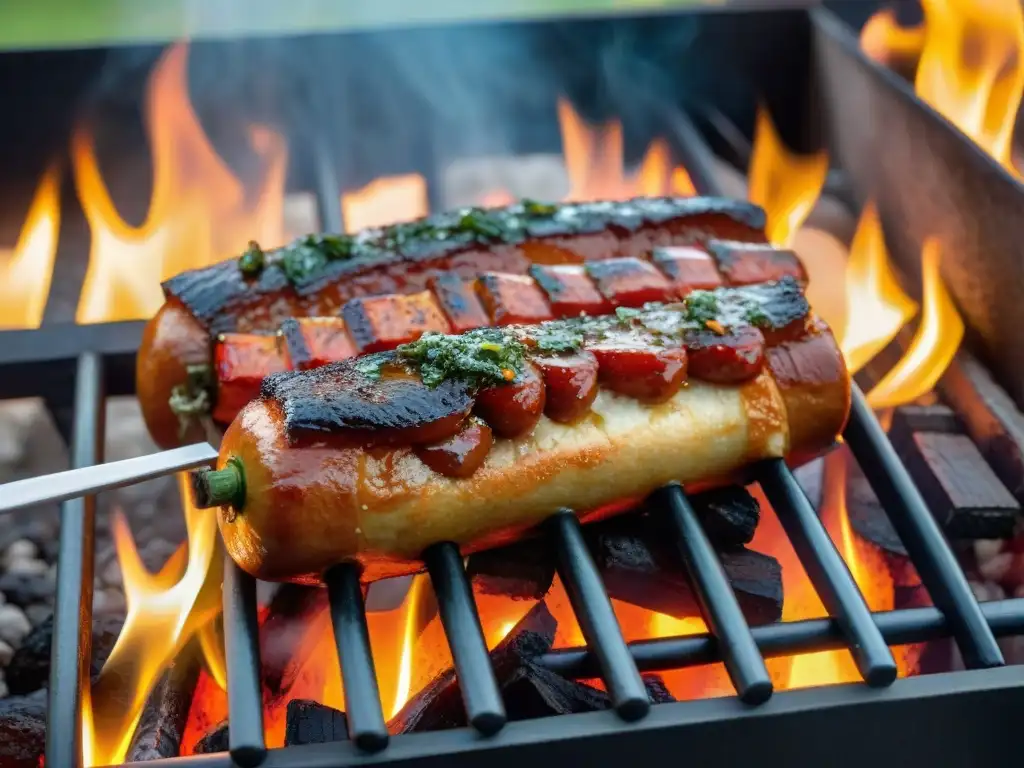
{"x": 606, "y": 655}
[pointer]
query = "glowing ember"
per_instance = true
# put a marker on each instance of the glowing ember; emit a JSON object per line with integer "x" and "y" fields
{"x": 25, "y": 272}
{"x": 199, "y": 212}
{"x": 785, "y": 184}
{"x": 164, "y": 610}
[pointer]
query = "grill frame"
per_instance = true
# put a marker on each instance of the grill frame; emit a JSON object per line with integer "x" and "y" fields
{"x": 75, "y": 368}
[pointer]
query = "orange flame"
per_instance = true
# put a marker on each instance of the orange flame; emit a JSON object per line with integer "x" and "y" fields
{"x": 785, "y": 184}
{"x": 878, "y": 306}
{"x": 385, "y": 201}
{"x": 594, "y": 163}
{"x": 970, "y": 67}
{"x": 25, "y": 271}
{"x": 164, "y": 610}
{"x": 198, "y": 212}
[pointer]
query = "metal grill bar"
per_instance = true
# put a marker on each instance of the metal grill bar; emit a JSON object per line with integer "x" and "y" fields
{"x": 827, "y": 572}
{"x": 242, "y": 652}
{"x": 902, "y": 627}
{"x": 596, "y": 618}
{"x": 71, "y": 650}
{"x": 358, "y": 674}
{"x": 920, "y": 534}
{"x": 718, "y": 603}
{"x": 484, "y": 707}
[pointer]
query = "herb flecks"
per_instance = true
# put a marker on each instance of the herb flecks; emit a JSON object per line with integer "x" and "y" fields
{"x": 538, "y": 210}
{"x": 701, "y": 306}
{"x": 559, "y": 339}
{"x": 481, "y": 356}
{"x": 252, "y": 262}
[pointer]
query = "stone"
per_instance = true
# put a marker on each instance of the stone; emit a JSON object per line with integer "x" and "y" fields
{"x": 110, "y": 601}
{"x": 6, "y": 653}
{"x": 111, "y": 575}
{"x": 23, "y": 589}
{"x": 21, "y": 549}
{"x": 37, "y": 613}
{"x": 14, "y": 625}
{"x": 3, "y": 687}
{"x": 27, "y": 567}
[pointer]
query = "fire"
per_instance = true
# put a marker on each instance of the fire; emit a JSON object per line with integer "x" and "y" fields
{"x": 785, "y": 184}
{"x": 595, "y": 166}
{"x": 385, "y": 201}
{"x": 26, "y": 270}
{"x": 199, "y": 212}
{"x": 164, "y": 610}
{"x": 970, "y": 66}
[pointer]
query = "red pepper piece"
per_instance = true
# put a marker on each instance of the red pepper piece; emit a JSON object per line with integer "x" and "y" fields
{"x": 377, "y": 323}
{"x": 463, "y": 453}
{"x": 459, "y": 302}
{"x": 634, "y": 368}
{"x": 690, "y": 268}
{"x": 750, "y": 263}
{"x": 242, "y": 360}
{"x": 729, "y": 358}
{"x": 630, "y": 282}
{"x": 570, "y": 290}
{"x": 571, "y": 382}
{"x": 310, "y": 342}
{"x": 512, "y": 299}
{"x": 513, "y": 409}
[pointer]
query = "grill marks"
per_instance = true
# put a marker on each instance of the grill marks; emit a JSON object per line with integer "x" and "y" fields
{"x": 382, "y": 398}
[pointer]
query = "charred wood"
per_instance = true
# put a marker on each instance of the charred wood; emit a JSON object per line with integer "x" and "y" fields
{"x": 525, "y": 570}
{"x": 291, "y": 610}
{"x": 215, "y": 740}
{"x": 990, "y": 416}
{"x": 640, "y": 565}
{"x": 22, "y": 730}
{"x": 163, "y": 719}
{"x": 29, "y": 669}
{"x": 309, "y": 722}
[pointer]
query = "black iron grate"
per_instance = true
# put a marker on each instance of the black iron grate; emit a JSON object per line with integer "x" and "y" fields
{"x": 606, "y": 655}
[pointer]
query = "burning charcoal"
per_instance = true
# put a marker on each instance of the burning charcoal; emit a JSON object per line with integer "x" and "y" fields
{"x": 908, "y": 419}
{"x": 163, "y": 719}
{"x": 522, "y": 571}
{"x": 291, "y": 609}
{"x": 729, "y": 515}
{"x": 308, "y": 722}
{"x": 22, "y": 730}
{"x": 657, "y": 691}
{"x": 439, "y": 704}
{"x": 990, "y": 416}
{"x": 867, "y": 517}
{"x": 215, "y": 740}
{"x": 531, "y": 692}
{"x": 640, "y": 565}
{"x": 30, "y": 667}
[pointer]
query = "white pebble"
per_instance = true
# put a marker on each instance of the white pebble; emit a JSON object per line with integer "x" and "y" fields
{"x": 111, "y": 575}
{"x": 6, "y": 653}
{"x": 22, "y": 549}
{"x": 996, "y": 567}
{"x": 26, "y": 567}
{"x": 985, "y": 549}
{"x": 14, "y": 625}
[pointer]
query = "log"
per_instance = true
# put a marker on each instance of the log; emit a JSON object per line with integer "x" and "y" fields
{"x": 990, "y": 417}
{"x": 162, "y": 724}
{"x": 309, "y": 722}
{"x": 215, "y": 740}
{"x": 640, "y": 565}
{"x": 526, "y": 569}
{"x": 23, "y": 730}
{"x": 960, "y": 487}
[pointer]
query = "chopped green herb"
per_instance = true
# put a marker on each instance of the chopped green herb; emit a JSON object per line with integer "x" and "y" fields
{"x": 481, "y": 356}
{"x": 533, "y": 208}
{"x": 480, "y": 222}
{"x": 755, "y": 315}
{"x": 252, "y": 262}
{"x": 559, "y": 340}
{"x": 369, "y": 366}
{"x": 701, "y": 306}
{"x": 300, "y": 260}
{"x": 626, "y": 315}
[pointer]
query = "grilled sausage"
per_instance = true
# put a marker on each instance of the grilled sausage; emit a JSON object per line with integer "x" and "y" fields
{"x": 465, "y": 270}
{"x": 374, "y": 459}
